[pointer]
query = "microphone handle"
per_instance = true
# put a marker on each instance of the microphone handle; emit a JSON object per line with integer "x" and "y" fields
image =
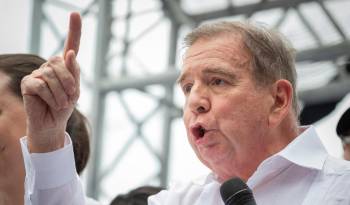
{"x": 242, "y": 198}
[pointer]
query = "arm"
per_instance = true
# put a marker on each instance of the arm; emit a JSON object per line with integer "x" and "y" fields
{"x": 49, "y": 95}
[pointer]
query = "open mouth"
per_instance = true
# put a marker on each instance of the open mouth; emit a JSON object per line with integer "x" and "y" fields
{"x": 198, "y": 131}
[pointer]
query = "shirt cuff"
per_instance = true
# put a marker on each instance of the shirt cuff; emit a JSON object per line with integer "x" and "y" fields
{"x": 51, "y": 169}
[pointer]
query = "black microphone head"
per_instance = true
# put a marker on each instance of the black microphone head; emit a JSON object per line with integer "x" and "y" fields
{"x": 235, "y": 191}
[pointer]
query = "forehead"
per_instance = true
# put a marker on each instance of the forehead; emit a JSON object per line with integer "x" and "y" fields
{"x": 8, "y": 99}
{"x": 4, "y": 81}
{"x": 222, "y": 51}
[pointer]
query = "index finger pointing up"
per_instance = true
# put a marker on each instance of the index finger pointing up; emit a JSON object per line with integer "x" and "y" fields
{"x": 74, "y": 33}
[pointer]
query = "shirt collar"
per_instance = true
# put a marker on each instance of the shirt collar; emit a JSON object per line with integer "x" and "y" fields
{"x": 202, "y": 180}
{"x": 306, "y": 150}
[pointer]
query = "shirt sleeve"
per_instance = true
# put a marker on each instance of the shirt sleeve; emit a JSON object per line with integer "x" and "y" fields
{"x": 51, "y": 177}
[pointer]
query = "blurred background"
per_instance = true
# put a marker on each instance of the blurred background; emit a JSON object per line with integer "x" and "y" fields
{"x": 130, "y": 57}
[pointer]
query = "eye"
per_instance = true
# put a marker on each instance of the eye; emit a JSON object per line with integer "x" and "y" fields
{"x": 218, "y": 81}
{"x": 187, "y": 87}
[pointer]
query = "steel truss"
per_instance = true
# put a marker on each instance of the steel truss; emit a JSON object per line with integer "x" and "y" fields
{"x": 116, "y": 79}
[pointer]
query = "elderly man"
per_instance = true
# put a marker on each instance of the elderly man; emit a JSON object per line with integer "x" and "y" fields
{"x": 343, "y": 131}
{"x": 241, "y": 119}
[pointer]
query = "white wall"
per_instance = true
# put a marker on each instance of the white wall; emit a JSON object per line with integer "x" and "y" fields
{"x": 15, "y": 25}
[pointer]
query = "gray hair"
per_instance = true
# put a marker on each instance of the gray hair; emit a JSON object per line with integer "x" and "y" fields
{"x": 272, "y": 56}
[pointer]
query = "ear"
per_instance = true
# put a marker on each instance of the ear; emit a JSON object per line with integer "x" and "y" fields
{"x": 282, "y": 92}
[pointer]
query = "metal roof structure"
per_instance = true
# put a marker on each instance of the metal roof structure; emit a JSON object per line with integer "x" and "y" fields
{"x": 135, "y": 58}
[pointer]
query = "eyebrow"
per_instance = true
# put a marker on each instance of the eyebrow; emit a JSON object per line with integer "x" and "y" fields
{"x": 218, "y": 71}
{"x": 181, "y": 78}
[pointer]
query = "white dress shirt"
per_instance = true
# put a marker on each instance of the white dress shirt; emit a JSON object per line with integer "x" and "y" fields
{"x": 301, "y": 174}
{"x": 51, "y": 178}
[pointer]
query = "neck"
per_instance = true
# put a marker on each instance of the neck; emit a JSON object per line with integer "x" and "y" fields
{"x": 11, "y": 195}
{"x": 280, "y": 136}
{"x": 273, "y": 141}
{"x": 11, "y": 180}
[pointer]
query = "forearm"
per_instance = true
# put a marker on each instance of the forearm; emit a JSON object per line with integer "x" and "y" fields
{"x": 51, "y": 177}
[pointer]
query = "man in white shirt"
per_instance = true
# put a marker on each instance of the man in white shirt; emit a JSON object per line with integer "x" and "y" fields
{"x": 241, "y": 119}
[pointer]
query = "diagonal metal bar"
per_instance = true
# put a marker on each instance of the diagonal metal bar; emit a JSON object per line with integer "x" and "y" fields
{"x": 88, "y": 8}
{"x": 176, "y": 13}
{"x": 177, "y": 112}
{"x": 115, "y": 162}
{"x": 242, "y": 10}
{"x": 127, "y": 110}
{"x": 148, "y": 29}
{"x": 281, "y": 19}
{"x": 308, "y": 26}
{"x": 53, "y": 27}
{"x": 257, "y": 7}
{"x": 151, "y": 113}
{"x": 149, "y": 146}
{"x": 331, "y": 18}
{"x": 137, "y": 14}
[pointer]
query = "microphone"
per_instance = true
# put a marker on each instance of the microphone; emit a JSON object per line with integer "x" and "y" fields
{"x": 236, "y": 192}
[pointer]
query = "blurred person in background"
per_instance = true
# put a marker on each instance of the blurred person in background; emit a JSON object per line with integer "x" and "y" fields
{"x": 13, "y": 68}
{"x": 240, "y": 114}
{"x": 343, "y": 131}
{"x": 136, "y": 196}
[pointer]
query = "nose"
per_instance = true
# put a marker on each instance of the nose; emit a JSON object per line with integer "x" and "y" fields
{"x": 198, "y": 100}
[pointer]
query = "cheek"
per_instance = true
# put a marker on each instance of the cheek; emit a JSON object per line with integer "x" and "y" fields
{"x": 186, "y": 121}
{"x": 5, "y": 135}
{"x": 240, "y": 120}
{"x": 186, "y": 117}
{"x": 21, "y": 125}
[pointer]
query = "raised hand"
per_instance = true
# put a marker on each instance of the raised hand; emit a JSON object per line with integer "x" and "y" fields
{"x": 50, "y": 94}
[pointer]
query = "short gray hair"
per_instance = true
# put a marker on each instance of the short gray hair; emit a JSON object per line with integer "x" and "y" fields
{"x": 272, "y": 56}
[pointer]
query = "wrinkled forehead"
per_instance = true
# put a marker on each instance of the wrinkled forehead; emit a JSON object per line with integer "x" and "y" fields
{"x": 222, "y": 54}
{"x": 219, "y": 49}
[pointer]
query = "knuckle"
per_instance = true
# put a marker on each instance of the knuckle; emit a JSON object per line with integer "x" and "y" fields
{"x": 67, "y": 81}
{"x": 49, "y": 72}
{"x": 41, "y": 85}
{"x": 54, "y": 59}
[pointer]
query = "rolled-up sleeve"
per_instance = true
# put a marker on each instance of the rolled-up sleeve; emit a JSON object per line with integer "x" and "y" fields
{"x": 51, "y": 177}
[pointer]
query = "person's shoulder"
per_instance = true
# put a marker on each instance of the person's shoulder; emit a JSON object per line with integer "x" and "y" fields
{"x": 337, "y": 166}
{"x": 183, "y": 187}
{"x": 185, "y": 192}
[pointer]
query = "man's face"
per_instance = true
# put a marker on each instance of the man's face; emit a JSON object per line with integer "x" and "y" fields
{"x": 225, "y": 113}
